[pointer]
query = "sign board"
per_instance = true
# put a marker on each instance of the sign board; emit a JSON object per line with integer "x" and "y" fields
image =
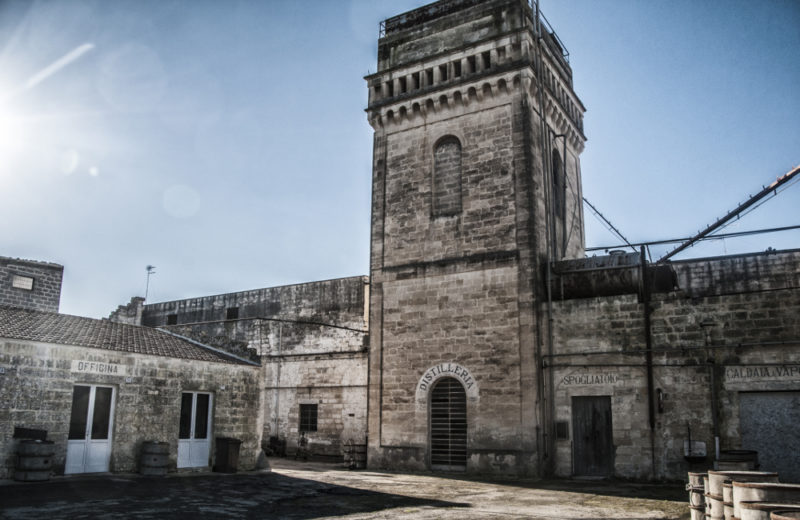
{"x": 96, "y": 367}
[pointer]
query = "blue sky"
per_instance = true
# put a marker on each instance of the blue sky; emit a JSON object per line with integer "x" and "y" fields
{"x": 226, "y": 142}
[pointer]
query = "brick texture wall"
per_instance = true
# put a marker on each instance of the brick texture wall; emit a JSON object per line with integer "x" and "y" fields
{"x": 45, "y": 294}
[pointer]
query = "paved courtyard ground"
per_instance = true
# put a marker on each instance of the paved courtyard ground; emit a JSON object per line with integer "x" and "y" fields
{"x": 297, "y": 490}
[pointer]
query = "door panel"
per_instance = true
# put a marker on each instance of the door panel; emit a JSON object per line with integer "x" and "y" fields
{"x": 91, "y": 423}
{"x": 194, "y": 435}
{"x": 769, "y": 424}
{"x": 593, "y": 445}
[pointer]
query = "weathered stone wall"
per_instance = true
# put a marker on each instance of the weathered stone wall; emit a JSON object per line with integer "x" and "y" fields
{"x": 454, "y": 282}
{"x": 45, "y": 291}
{"x": 311, "y": 340}
{"x": 36, "y": 389}
{"x": 336, "y": 383}
{"x": 130, "y": 314}
{"x": 339, "y": 301}
{"x": 734, "y": 316}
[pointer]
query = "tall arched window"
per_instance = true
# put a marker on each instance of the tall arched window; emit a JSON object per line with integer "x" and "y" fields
{"x": 447, "y": 177}
{"x": 559, "y": 186}
{"x": 448, "y": 424}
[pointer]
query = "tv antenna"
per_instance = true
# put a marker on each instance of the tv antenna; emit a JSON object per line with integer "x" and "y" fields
{"x": 151, "y": 270}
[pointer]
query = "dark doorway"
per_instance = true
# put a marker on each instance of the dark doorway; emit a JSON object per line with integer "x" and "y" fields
{"x": 448, "y": 420}
{"x": 593, "y": 446}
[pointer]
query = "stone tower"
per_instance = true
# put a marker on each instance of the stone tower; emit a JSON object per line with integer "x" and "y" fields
{"x": 476, "y": 186}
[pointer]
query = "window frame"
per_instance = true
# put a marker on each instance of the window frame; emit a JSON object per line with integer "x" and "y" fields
{"x": 308, "y": 417}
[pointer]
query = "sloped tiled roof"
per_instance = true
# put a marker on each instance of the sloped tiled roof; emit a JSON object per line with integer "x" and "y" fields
{"x": 48, "y": 327}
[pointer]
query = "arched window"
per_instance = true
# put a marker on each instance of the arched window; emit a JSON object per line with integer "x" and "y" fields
{"x": 447, "y": 177}
{"x": 559, "y": 186}
{"x": 448, "y": 423}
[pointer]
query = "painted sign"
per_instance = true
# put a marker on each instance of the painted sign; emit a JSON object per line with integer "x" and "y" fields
{"x": 95, "y": 367}
{"x": 762, "y": 373}
{"x": 593, "y": 378}
{"x": 453, "y": 369}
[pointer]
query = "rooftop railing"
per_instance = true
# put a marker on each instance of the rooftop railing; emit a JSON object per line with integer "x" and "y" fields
{"x": 398, "y": 22}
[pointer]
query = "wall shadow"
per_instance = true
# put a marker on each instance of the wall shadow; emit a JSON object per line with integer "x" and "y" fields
{"x": 268, "y": 495}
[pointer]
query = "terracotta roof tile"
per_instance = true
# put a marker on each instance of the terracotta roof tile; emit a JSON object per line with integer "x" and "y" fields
{"x": 48, "y": 327}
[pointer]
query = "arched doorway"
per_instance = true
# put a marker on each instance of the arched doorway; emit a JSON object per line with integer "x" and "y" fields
{"x": 448, "y": 425}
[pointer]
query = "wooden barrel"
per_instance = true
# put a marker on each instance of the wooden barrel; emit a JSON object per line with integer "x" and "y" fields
{"x": 696, "y": 490}
{"x": 154, "y": 458}
{"x": 727, "y": 500}
{"x": 737, "y": 460}
{"x": 762, "y": 510}
{"x": 717, "y": 478}
{"x": 763, "y": 492}
{"x": 34, "y": 460}
{"x": 697, "y": 513}
{"x": 715, "y": 509}
{"x": 784, "y": 515}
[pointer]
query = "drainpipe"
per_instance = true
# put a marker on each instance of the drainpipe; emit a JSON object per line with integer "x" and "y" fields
{"x": 278, "y": 381}
{"x": 651, "y": 413}
{"x": 712, "y": 371}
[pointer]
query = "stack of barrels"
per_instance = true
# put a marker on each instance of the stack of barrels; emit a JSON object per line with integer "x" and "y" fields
{"x": 742, "y": 495}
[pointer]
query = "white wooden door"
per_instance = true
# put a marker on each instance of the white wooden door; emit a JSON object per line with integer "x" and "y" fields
{"x": 194, "y": 437}
{"x": 90, "y": 427}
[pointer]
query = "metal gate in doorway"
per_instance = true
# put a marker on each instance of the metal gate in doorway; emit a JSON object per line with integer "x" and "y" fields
{"x": 448, "y": 423}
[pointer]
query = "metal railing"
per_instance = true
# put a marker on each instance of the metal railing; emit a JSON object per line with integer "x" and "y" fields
{"x": 532, "y": 4}
{"x": 550, "y": 31}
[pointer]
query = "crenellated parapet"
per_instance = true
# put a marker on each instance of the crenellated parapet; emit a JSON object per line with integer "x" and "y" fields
{"x": 415, "y": 85}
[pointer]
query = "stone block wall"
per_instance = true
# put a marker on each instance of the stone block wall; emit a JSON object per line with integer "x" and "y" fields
{"x": 36, "y": 386}
{"x": 732, "y": 325}
{"x": 311, "y": 340}
{"x": 340, "y": 301}
{"x": 38, "y": 284}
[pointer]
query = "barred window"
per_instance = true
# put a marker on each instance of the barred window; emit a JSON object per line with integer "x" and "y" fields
{"x": 308, "y": 417}
{"x": 447, "y": 177}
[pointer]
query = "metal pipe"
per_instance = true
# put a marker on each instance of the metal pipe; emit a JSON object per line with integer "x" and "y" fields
{"x": 734, "y": 213}
{"x": 710, "y": 237}
{"x": 788, "y": 342}
{"x": 547, "y": 398}
{"x": 648, "y": 338}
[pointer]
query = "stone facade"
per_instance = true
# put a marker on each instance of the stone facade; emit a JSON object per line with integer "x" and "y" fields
{"x": 38, "y": 378}
{"x": 729, "y": 329}
{"x": 311, "y": 340}
{"x": 30, "y": 284}
{"x": 468, "y": 113}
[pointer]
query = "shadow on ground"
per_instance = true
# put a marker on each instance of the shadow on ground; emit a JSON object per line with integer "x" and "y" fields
{"x": 268, "y": 495}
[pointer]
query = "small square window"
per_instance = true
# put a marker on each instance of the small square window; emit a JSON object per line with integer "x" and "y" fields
{"x": 415, "y": 80}
{"x": 457, "y": 68}
{"x": 172, "y": 319}
{"x": 22, "y": 282}
{"x": 232, "y": 313}
{"x": 442, "y": 72}
{"x": 308, "y": 417}
{"x": 562, "y": 430}
{"x": 472, "y": 66}
{"x": 428, "y": 77}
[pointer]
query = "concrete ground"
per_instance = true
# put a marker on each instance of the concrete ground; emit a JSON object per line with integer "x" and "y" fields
{"x": 300, "y": 490}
